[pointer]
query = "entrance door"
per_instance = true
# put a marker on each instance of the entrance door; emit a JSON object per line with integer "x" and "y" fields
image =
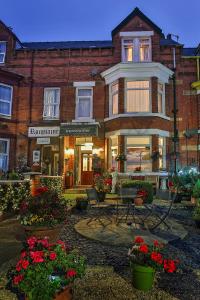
{"x": 86, "y": 169}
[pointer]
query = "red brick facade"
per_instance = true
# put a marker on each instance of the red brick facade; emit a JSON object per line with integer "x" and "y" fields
{"x": 29, "y": 70}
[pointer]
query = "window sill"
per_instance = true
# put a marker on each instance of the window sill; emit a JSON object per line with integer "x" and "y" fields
{"x": 139, "y": 114}
{"x": 50, "y": 119}
{"x": 5, "y": 116}
{"x": 86, "y": 120}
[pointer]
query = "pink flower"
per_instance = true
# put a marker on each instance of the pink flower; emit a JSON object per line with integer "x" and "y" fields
{"x": 71, "y": 273}
{"x": 31, "y": 242}
{"x": 23, "y": 254}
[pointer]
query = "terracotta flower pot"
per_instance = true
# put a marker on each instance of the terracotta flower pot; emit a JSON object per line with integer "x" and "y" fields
{"x": 138, "y": 201}
{"x": 193, "y": 200}
{"x": 40, "y": 232}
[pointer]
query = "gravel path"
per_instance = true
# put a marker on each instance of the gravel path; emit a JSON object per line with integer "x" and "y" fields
{"x": 184, "y": 285}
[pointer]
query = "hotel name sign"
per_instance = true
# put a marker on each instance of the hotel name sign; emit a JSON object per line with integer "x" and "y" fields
{"x": 43, "y": 131}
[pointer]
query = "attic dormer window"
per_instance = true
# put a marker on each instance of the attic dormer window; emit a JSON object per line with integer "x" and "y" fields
{"x": 2, "y": 52}
{"x": 136, "y": 46}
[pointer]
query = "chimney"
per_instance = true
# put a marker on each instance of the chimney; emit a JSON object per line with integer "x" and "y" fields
{"x": 169, "y": 36}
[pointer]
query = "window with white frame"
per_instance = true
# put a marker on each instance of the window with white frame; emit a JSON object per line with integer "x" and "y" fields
{"x": 161, "y": 95}
{"x": 5, "y": 99}
{"x": 137, "y": 49}
{"x": 2, "y": 52}
{"x": 114, "y": 98}
{"x": 51, "y": 103}
{"x": 84, "y": 103}
{"x": 4, "y": 154}
{"x": 137, "y": 96}
{"x": 162, "y": 152}
{"x": 113, "y": 152}
{"x": 138, "y": 153}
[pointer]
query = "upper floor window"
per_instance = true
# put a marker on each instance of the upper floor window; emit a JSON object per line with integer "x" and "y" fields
{"x": 5, "y": 99}
{"x": 84, "y": 103}
{"x": 136, "y": 49}
{"x": 114, "y": 98}
{"x": 51, "y": 103}
{"x": 4, "y": 154}
{"x": 2, "y": 52}
{"x": 138, "y": 96}
{"x": 161, "y": 95}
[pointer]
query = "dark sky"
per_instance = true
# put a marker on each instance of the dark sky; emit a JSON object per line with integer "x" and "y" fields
{"x": 58, "y": 20}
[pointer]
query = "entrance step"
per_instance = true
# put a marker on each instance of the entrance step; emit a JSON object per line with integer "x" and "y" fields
{"x": 78, "y": 189}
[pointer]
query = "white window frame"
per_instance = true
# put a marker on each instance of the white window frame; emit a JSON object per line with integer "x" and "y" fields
{"x": 5, "y": 101}
{"x": 150, "y": 95}
{"x": 84, "y": 119}
{"x": 136, "y": 48}
{"x": 111, "y": 94}
{"x": 51, "y": 117}
{"x": 163, "y": 147}
{"x": 135, "y": 145}
{"x": 163, "y": 97}
{"x": 8, "y": 151}
{"x": 4, "y": 53}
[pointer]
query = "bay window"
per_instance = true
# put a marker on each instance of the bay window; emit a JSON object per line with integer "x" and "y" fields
{"x": 2, "y": 52}
{"x": 162, "y": 152}
{"x": 136, "y": 49}
{"x": 4, "y": 154}
{"x": 161, "y": 94}
{"x": 114, "y": 98}
{"x": 113, "y": 152}
{"x": 84, "y": 102}
{"x": 137, "y": 96}
{"x": 51, "y": 103}
{"x": 5, "y": 99}
{"x": 138, "y": 153}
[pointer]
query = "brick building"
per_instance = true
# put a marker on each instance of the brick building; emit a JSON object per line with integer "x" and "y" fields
{"x": 76, "y": 106}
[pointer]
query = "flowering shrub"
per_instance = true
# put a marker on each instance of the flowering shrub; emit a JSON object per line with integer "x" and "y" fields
{"x": 151, "y": 256}
{"x": 142, "y": 193}
{"x": 103, "y": 182}
{"x": 54, "y": 183}
{"x": 44, "y": 269}
{"x": 46, "y": 208}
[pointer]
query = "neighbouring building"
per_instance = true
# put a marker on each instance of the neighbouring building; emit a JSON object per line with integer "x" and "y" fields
{"x": 74, "y": 107}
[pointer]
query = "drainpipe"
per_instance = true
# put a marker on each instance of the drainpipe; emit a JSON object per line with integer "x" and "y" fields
{"x": 175, "y": 110}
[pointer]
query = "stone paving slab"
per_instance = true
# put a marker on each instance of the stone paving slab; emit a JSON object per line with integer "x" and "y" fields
{"x": 108, "y": 231}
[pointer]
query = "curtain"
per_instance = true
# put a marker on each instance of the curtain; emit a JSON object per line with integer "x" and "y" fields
{"x": 84, "y": 107}
{"x": 51, "y": 105}
{"x": 137, "y": 100}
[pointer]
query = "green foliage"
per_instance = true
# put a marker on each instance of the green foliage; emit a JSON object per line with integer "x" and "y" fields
{"x": 12, "y": 194}
{"x": 13, "y": 175}
{"x": 196, "y": 213}
{"x": 44, "y": 269}
{"x": 81, "y": 203}
{"x": 184, "y": 182}
{"x": 142, "y": 185}
{"x": 196, "y": 190}
{"x": 53, "y": 183}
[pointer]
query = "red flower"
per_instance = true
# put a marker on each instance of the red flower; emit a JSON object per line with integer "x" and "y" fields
{"x": 18, "y": 266}
{"x": 157, "y": 257}
{"x": 37, "y": 256}
{"x": 40, "y": 190}
{"x": 143, "y": 248}
{"x": 17, "y": 279}
{"x": 138, "y": 240}
{"x": 59, "y": 242}
{"x": 71, "y": 273}
{"x": 52, "y": 256}
{"x": 44, "y": 242}
{"x": 156, "y": 243}
{"x": 23, "y": 254}
{"x": 31, "y": 242}
{"x": 170, "y": 265}
{"x": 25, "y": 264}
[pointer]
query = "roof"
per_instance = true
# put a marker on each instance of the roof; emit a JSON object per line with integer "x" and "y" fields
{"x": 189, "y": 51}
{"x": 11, "y": 73}
{"x": 10, "y": 31}
{"x": 134, "y": 13}
{"x": 66, "y": 45}
{"x": 169, "y": 42}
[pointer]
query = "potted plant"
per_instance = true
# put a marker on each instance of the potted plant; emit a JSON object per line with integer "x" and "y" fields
{"x": 196, "y": 214}
{"x": 43, "y": 214}
{"x": 81, "y": 203}
{"x": 141, "y": 196}
{"x": 103, "y": 184}
{"x": 45, "y": 270}
{"x": 145, "y": 260}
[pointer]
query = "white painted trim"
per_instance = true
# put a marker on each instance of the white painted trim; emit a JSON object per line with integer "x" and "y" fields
{"x": 84, "y": 119}
{"x": 83, "y": 83}
{"x": 136, "y": 33}
{"x": 138, "y": 132}
{"x": 51, "y": 118}
{"x": 137, "y": 70}
{"x": 11, "y": 100}
{"x": 8, "y": 150}
{"x": 137, "y": 114}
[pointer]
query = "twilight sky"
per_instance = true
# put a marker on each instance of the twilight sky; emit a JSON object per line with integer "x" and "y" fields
{"x": 59, "y": 20}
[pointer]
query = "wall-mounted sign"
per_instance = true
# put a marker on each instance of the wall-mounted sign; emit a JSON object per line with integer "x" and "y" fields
{"x": 43, "y": 131}
{"x": 43, "y": 141}
{"x": 79, "y": 129}
{"x": 36, "y": 156}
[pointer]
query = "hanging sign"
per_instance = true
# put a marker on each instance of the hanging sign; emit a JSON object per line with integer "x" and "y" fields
{"x": 43, "y": 141}
{"x": 79, "y": 129}
{"x": 43, "y": 131}
{"x": 36, "y": 156}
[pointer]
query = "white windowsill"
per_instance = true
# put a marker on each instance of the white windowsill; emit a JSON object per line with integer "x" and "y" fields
{"x": 5, "y": 116}
{"x": 139, "y": 114}
{"x": 84, "y": 120}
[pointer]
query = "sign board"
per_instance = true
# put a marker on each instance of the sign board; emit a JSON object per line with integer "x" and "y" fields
{"x": 43, "y": 141}
{"x": 43, "y": 131}
{"x": 36, "y": 156}
{"x": 79, "y": 129}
